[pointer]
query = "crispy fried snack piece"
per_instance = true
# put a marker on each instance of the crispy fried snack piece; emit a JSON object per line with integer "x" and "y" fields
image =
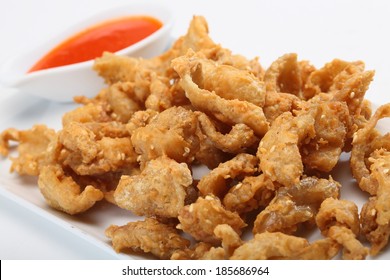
{"x": 281, "y": 160}
{"x": 230, "y": 242}
{"x": 31, "y": 148}
{"x": 140, "y": 119}
{"x": 196, "y": 252}
{"x": 122, "y": 101}
{"x": 330, "y": 76}
{"x": 230, "y": 112}
{"x": 63, "y": 193}
{"x": 282, "y": 215}
{"x": 172, "y": 133}
{"x": 276, "y": 103}
{"x": 208, "y": 154}
{"x": 366, "y": 141}
{"x": 323, "y": 249}
{"x": 239, "y": 138}
{"x": 339, "y": 220}
{"x": 335, "y": 212}
{"x": 375, "y": 214}
{"x": 230, "y": 239}
{"x": 353, "y": 249}
{"x": 269, "y": 246}
{"x": 226, "y": 81}
{"x": 163, "y": 95}
{"x": 199, "y": 219}
{"x": 160, "y": 189}
{"x": 90, "y": 112}
{"x": 295, "y": 205}
{"x": 216, "y": 182}
{"x": 287, "y": 75}
{"x": 147, "y": 236}
{"x": 322, "y": 152}
{"x": 253, "y": 192}
{"x": 90, "y": 153}
{"x": 10, "y": 134}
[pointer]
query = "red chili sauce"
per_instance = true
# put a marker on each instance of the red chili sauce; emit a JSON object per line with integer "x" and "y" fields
{"x": 111, "y": 36}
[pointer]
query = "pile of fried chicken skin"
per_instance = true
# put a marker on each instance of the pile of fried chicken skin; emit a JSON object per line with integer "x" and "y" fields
{"x": 267, "y": 138}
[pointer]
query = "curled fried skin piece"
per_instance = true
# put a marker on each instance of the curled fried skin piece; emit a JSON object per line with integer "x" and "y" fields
{"x": 90, "y": 153}
{"x": 339, "y": 220}
{"x": 277, "y": 103}
{"x": 281, "y": 160}
{"x": 253, "y": 192}
{"x": 195, "y": 252}
{"x": 226, "y": 81}
{"x": 199, "y": 219}
{"x": 362, "y": 148}
{"x": 236, "y": 141}
{"x": 375, "y": 214}
{"x": 323, "y": 79}
{"x": 287, "y": 75}
{"x": 63, "y": 193}
{"x": 331, "y": 124}
{"x": 270, "y": 246}
{"x": 171, "y": 133}
{"x": 10, "y": 134}
{"x": 294, "y": 205}
{"x": 335, "y": 212}
{"x": 323, "y": 249}
{"x": 32, "y": 145}
{"x": 216, "y": 182}
{"x": 230, "y": 242}
{"x": 227, "y": 111}
{"x": 149, "y": 236}
{"x": 353, "y": 249}
{"x": 282, "y": 215}
{"x": 160, "y": 189}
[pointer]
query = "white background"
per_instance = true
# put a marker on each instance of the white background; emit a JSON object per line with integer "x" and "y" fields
{"x": 317, "y": 30}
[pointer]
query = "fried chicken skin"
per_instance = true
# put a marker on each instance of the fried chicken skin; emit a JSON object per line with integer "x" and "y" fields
{"x": 159, "y": 190}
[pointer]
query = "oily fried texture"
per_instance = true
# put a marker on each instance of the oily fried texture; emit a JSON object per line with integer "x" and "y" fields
{"x": 331, "y": 75}
{"x": 295, "y": 205}
{"x": 199, "y": 219}
{"x": 159, "y": 190}
{"x": 281, "y": 160}
{"x": 217, "y": 181}
{"x": 322, "y": 152}
{"x": 149, "y": 236}
{"x": 288, "y": 75}
{"x": 207, "y": 144}
{"x": 225, "y": 81}
{"x": 249, "y": 194}
{"x": 90, "y": 152}
{"x": 339, "y": 220}
{"x": 10, "y": 134}
{"x": 239, "y": 139}
{"x": 270, "y": 246}
{"x": 228, "y": 111}
{"x": 31, "y": 148}
{"x": 230, "y": 241}
{"x": 365, "y": 142}
{"x": 63, "y": 193}
{"x": 171, "y": 133}
{"x": 375, "y": 214}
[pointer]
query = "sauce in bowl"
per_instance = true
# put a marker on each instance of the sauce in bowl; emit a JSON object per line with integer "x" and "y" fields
{"x": 90, "y": 43}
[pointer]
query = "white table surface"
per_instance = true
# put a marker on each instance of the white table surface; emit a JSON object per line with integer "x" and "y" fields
{"x": 317, "y": 30}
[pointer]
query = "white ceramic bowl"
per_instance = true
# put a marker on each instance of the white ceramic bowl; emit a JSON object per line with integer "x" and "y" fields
{"x": 63, "y": 83}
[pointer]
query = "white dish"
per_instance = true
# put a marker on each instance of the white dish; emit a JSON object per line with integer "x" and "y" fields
{"x": 65, "y": 82}
{"x": 91, "y": 225}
